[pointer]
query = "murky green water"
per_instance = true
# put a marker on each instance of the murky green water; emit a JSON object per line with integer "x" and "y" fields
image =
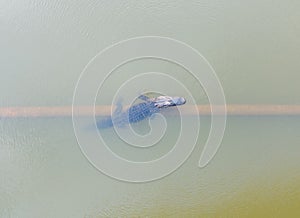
{"x": 43, "y": 173}
{"x": 254, "y": 49}
{"x": 253, "y": 46}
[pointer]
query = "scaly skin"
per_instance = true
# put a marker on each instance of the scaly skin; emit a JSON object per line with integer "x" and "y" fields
{"x": 139, "y": 111}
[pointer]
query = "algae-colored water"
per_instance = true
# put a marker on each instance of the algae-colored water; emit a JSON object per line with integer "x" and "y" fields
{"x": 254, "y": 49}
{"x": 255, "y": 173}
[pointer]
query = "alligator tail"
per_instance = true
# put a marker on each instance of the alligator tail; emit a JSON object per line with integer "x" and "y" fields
{"x": 105, "y": 123}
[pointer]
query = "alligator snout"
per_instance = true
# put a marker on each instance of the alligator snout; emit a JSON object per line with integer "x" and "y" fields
{"x": 179, "y": 100}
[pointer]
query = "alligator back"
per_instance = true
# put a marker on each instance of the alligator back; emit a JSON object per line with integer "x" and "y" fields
{"x": 141, "y": 111}
{"x": 133, "y": 114}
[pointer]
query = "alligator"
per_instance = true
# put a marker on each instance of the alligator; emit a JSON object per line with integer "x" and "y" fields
{"x": 140, "y": 111}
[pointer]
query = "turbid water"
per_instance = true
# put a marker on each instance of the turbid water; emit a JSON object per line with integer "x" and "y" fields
{"x": 256, "y": 171}
{"x": 254, "y": 49}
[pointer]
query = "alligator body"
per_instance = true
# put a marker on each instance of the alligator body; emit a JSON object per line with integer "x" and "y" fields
{"x": 140, "y": 111}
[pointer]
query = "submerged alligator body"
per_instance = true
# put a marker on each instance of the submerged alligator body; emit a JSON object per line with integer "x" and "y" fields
{"x": 140, "y": 111}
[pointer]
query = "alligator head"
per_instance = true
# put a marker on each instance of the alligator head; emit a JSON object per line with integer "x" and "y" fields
{"x": 167, "y": 101}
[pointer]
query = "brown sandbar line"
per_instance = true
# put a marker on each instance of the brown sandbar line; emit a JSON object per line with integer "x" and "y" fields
{"x": 65, "y": 111}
